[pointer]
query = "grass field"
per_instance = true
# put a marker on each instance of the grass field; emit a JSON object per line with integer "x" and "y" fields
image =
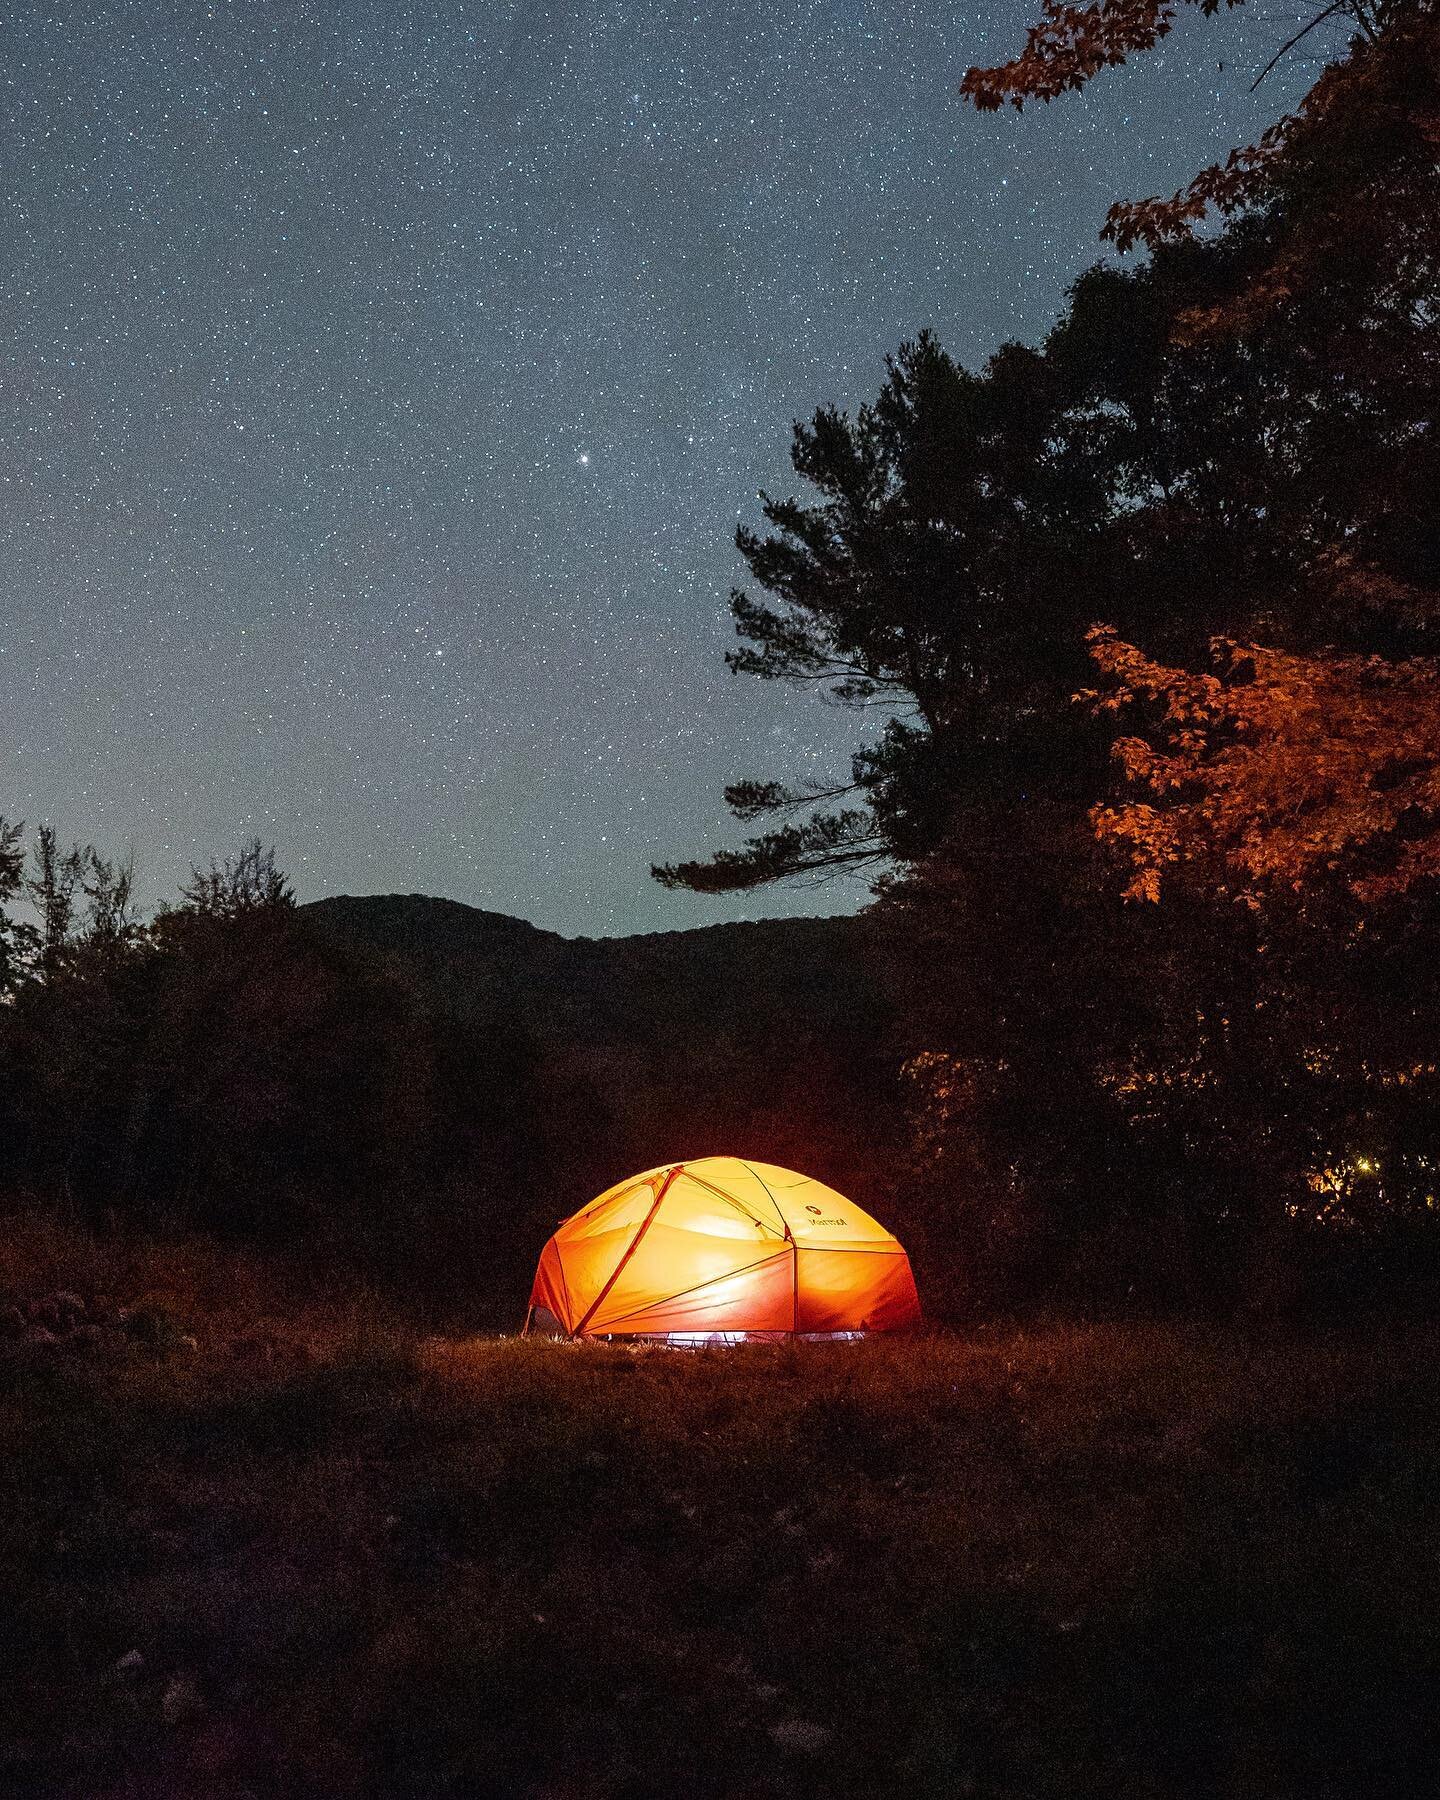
{"x": 258, "y": 1545}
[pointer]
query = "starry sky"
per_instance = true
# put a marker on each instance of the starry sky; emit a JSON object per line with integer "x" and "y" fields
{"x": 381, "y": 383}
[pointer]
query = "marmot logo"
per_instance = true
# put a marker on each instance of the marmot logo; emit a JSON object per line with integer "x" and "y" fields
{"x": 814, "y": 1209}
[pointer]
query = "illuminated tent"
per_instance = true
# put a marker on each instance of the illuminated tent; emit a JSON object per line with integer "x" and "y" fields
{"x": 721, "y": 1248}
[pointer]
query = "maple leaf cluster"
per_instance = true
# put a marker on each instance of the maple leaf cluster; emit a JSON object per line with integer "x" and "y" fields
{"x": 1071, "y": 45}
{"x": 1364, "y": 117}
{"x": 1277, "y": 772}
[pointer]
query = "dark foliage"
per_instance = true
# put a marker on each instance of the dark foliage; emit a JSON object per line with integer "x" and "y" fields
{"x": 1236, "y": 441}
{"x": 417, "y": 1090}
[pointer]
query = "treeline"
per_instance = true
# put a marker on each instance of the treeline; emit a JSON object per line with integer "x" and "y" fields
{"x": 1150, "y": 612}
{"x": 218, "y": 1068}
{"x": 401, "y": 1090}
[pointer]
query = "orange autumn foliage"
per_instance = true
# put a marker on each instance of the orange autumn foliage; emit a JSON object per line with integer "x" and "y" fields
{"x": 1071, "y": 45}
{"x": 1279, "y": 773}
{"x": 1352, "y": 164}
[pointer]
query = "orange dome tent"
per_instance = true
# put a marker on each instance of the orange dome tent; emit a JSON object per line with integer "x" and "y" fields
{"x": 721, "y": 1248}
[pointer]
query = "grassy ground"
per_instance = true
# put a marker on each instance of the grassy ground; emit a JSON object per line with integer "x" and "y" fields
{"x": 251, "y": 1545}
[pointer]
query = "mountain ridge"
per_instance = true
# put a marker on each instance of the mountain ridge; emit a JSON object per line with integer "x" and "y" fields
{"x": 438, "y": 905}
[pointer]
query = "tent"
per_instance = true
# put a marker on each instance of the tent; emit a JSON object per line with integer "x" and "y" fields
{"x": 721, "y": 1249}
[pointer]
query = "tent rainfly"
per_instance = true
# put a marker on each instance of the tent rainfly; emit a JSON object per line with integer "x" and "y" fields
{"x": 720, "y": 1250}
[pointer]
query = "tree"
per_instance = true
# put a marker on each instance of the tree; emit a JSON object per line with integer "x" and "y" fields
{"x": 969, "y": 528}
{"x": 226, "y": 1069}
{"x": 1378, "y": 104}
{"x": 932, "y": 581}
{"x": 15, "y": 935}
{"x": 82, "y": 906}
{"x": 246, "y": 883}
{"x": 1318, "y": 752}
{"x": 1298, "y": 775}
{"x": 113, "y": 925}
{"x": 53, "y": 889}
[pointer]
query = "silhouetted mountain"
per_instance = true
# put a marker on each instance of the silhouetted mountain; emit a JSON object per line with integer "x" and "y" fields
{"x": 773, "y": 979}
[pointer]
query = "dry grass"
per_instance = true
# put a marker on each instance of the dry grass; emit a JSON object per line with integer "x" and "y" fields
{"x": 1139, "y": 1561}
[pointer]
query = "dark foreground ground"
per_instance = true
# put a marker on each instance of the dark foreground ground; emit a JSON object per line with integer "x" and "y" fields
{"x": 250, "y": 1547}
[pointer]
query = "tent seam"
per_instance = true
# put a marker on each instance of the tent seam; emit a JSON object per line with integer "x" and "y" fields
{"x": 729, "y": 1274}
{"x": 784, "y": 1222}
{"x": 634, "y": 1245}
{"x": 739, "y": 1206}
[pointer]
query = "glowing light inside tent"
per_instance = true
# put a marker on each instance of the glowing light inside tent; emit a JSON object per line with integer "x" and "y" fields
{"x": 683, "y": 1339}
{"x": 721, "y": 1250}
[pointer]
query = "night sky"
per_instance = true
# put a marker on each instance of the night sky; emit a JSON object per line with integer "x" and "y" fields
{"x": 380, "y": 384}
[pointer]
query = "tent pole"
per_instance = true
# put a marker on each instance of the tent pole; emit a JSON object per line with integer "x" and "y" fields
{"x": 599, "y": 1299}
